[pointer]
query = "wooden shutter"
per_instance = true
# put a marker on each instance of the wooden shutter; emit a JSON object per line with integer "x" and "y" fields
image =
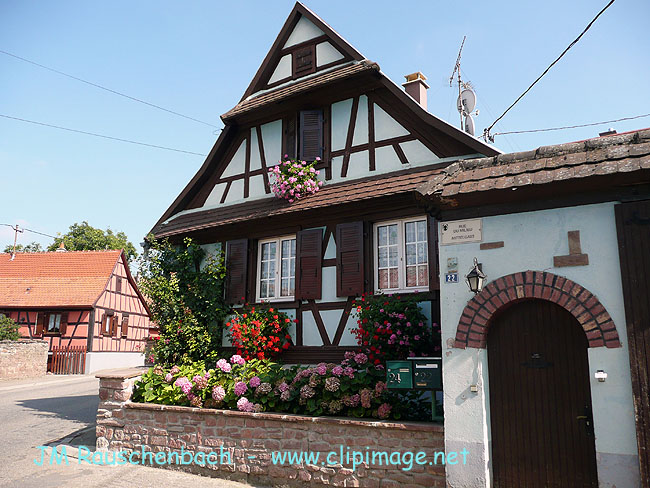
{"x": 40, "y": 319}
{"x": 309, "y": 248}
{"x": 236, "y": 268}
{"x": 63, "y": 325}
{"x": 432, "y": 244}
{"x": 303, "y": 61}
{"x": 311, "y": 135}
{"x": 125, "y": 325}
{"x": 114, "y": 325}
{"x": 289, "y": 137}
{"x": 349, "y": 259}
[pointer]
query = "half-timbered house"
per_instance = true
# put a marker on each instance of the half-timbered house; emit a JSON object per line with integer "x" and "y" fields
{"x": 85, "y": 302}
{"x": 367, "y": 230}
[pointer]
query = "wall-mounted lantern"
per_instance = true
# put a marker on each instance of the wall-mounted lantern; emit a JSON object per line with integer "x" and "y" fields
{"x": 600, "y": 375}
{"x": 475, "y": 279}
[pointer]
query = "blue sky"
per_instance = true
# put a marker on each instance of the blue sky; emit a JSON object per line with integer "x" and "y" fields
{"x": 198, "y": 57}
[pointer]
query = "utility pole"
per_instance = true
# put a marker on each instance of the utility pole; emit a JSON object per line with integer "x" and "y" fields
{"x": 16, "y": 231}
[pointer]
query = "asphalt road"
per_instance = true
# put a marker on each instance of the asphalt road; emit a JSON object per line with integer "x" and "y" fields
{"x": 44, "y": 411}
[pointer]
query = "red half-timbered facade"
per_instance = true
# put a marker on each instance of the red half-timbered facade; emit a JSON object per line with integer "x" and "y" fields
{"x": 85, "y": 299}
{"x": 367, "y": 230}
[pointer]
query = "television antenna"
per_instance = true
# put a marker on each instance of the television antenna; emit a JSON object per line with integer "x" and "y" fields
{"x": 457, "y": 71}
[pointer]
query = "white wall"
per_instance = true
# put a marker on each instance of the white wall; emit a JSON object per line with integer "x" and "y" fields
{"x": 96, "y": 361}
{"x": 531, "y": 240}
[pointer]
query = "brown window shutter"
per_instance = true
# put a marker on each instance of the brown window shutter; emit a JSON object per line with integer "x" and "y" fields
{"x": 311, "y": 135}
{"x": 114, "y": 325}
{"x": 125, "y": 325}
{"x": 309, "y": 248}
{"x": 303, "y": 61}
{"x": 118, "y": 285}
{"x": 63, "y": 327}
{"x": 432, "y": 244}
{"x": 349, "y": 259}
{"x": 289, "y": 137}
{"x": 236, "y": 268}
{"x": 40, "y": 319}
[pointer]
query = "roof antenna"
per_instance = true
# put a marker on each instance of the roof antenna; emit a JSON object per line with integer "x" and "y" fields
{"x": 466, "y": 102}
{"x": 16, "y": 231}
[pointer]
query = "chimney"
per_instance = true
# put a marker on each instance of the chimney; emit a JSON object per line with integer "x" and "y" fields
{"x": 417, "y": 88}
{"x": 61, "y": 247}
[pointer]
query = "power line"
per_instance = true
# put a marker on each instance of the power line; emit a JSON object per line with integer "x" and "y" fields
{"x": 30, "y": 230}
{"x": 40, "y": 233}
{"x": 486, "y": 132}
{"x": 107, "y": 89}
{"x": 101, "y": 135}
{"x": 571, "y": 126}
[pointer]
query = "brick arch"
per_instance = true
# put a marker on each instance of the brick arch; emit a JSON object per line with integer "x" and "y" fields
{"x": 581, "y": 303}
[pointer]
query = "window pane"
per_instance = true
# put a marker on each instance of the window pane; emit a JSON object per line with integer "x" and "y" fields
{"x": 292, "y": 286}
{"x": 392, "y": 234}
{"x": 285, "y": 288}
{"x": 266, "y": 251}
{"x": 410, "y": 254}
{"x": 411, "y": 276}
{"x": 392, "y": 255}
{"x": 293, "y": 247}
{"x": 265, "y": 269}
{"x": 393, "y": 283}
{"x": 383, "y": 257}
{"x": 285, "y": 267}
{"x": 383, "y": 278}
{"x": 264, "y": 290}
{"x": 410, "y": 232}
{"x": 286, "y": 248}
{"x": 271, "y": 288}
{"x": 422, "y": 230}
{"x": 382, "y": 235}
{"x": 422, "y": 253}
{"x": 423, "y": 275}
{"x": 271, "y": 269}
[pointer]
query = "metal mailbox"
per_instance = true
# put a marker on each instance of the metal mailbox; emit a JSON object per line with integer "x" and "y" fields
{"x": 427, "y": 373}
{"x": 399, "y": 374}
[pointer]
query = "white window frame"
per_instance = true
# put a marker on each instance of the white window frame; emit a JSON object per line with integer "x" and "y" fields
{"x": 401, "y": 256}
{"x": 278, "y": 269}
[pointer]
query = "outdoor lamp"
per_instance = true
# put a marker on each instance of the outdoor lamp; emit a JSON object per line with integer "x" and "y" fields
{"x": 475, "y": 279}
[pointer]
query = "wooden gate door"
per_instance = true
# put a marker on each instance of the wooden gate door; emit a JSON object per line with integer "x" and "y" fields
{"x": 633, "y": 228}
{"x": 540, "y": 399}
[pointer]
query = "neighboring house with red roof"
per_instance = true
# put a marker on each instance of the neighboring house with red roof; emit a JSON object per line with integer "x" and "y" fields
{"x": 78, "y": 298}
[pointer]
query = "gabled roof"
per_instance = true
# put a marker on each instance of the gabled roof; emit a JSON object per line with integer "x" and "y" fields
{"x": 383, "y": 185}
{"x": 259, "y": 99}
{"x": 274, "y": 54}
{"x": 55, "y": 279}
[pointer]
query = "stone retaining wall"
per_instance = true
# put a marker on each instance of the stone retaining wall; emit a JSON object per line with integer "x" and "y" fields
{"x": 24, "y": 358}
{"x": 245, "y": 441}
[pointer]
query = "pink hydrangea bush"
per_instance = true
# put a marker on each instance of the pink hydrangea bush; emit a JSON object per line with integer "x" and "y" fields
{"x": 355, "y": 387}
{"x": 295, "y": 179}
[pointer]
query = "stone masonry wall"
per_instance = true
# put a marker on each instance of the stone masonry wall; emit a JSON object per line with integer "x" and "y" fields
{"x": 24, "y": 358}
{"x": 250, "y": 438}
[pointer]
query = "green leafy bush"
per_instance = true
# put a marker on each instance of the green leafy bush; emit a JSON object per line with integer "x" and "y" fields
{"x": 8, "y": 329}
{"x": 352, "y": 388}
{"x": 394, "y": 327}
{"x": 184, "y": 287}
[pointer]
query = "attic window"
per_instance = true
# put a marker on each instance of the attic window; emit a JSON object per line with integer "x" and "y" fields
{"x": 303, "y": 61}
{"x": 304, "y": 135}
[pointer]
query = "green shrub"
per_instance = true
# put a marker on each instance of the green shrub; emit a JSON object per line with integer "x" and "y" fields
{"x": 184, "y": 287}
{"x": 8, "y": 329}
{"x": 352, "y": 388}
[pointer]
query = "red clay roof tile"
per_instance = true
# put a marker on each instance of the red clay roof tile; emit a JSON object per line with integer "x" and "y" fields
{"x": 55, "y": 279}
